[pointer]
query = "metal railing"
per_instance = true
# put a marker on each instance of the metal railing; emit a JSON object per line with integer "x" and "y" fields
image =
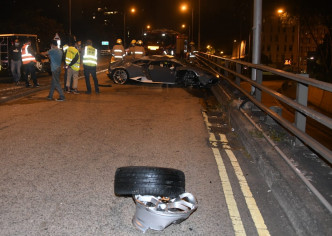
{"x": 230, "y": 70}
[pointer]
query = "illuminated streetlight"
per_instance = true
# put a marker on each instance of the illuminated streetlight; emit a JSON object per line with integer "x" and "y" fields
{"x": 148, "y": 27}
{"x": 183, "y": 26}
{"x": 280, "y": 11}
{"x": 184, "y": 8}
{"x": 132, "y": 10}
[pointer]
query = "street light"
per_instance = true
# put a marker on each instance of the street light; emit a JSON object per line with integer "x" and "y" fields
{"x": 280, "y": 11}
{"x": 132, "y": 10}
{"x": 184, "y": 7}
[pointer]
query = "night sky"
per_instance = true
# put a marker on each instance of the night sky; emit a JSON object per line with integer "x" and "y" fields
{"x": 222, "y": 21}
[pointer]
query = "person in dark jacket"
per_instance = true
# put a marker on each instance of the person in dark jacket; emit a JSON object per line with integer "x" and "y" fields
{"x": 15, "y": 58}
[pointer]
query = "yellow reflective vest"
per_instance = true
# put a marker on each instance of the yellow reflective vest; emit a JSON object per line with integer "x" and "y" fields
{"x": 70, "y": 55}
{"x": 90, "y": 56}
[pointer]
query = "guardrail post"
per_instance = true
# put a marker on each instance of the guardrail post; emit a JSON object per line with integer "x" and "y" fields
{"x": 215, "y": 60}
{"x": 227, "y": 66}
{"x": 259, "y": 79}
{"x": 256, "y": 75}
{"x": 301, "y": 98}
{"x": 238, "y": 70}
{"x": 219, "y": 63}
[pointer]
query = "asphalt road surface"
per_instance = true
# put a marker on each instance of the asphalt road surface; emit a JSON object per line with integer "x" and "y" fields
{"x": 58, "y": 161}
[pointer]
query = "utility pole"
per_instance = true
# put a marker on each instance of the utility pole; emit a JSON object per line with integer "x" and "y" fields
{"x": 69, "y": 18}
{"x": 256, "y": 50}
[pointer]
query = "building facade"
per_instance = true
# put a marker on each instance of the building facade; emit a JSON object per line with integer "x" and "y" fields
{"x": 286, "y": 44}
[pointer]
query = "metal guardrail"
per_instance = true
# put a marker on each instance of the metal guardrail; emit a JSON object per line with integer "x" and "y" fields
{"x": 231, "y": 71}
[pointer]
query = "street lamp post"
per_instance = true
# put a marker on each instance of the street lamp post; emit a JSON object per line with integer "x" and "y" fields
{"x": 199, "y": 25}
{"x": 69, "y": 18}
{"x": 184, "y": 7}
{"x": 132, "y": 10}
{"x": 124, "y": 28}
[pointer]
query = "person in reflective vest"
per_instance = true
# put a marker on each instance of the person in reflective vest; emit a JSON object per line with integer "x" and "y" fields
{"x": 131, "y": 49}
{"x": 73, "y": 66}
{"x": 118, "y": 50}
{"x": 139, "y": 50}
{"x": 90, "y": 65}
{"x": 64, "y": 49}
{"x": 29, "y": 62}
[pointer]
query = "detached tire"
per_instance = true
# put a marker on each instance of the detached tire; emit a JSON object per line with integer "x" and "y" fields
{"x": 142, "y": 180}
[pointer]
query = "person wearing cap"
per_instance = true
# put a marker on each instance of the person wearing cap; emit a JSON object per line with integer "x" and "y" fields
{"x": 90, "y": 66}
{"x": 15, "y": 58}
{"x": 29, "y": 62}
{"x": 131, "y": 49}
{"x": 139, "y": 50}
{"x": 118, "y": 50}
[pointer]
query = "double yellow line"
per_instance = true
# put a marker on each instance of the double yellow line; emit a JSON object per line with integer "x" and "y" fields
{"x": 227, "y": 187}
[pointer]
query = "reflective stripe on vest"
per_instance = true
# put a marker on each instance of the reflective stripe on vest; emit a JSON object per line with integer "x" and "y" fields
{"x": 90, "y": 56}
{"x": 26, "y": 56}
{"x": 71, "y": 52}
{"x": 65, "y": 47}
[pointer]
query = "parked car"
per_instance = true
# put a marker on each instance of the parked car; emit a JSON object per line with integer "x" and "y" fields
{"x": 159, "y": 69}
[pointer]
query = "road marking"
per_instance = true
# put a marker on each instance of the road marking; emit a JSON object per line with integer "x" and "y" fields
{"x": 227, "y": 188}
{"x": 250, "y": 200}
{"x": 226, "y": 185}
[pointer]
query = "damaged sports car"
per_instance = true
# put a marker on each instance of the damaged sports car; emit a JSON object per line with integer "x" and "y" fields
{"x": 159, "y": 69}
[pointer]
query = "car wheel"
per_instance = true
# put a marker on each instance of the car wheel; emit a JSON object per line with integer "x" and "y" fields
{"x": 139, "y": 180}
{"x": 120, "y": 76}
{"x": 190, "y": 78}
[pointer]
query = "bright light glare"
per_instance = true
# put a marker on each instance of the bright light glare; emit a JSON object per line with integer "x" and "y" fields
{"x": 280, "y": 11}
{"x": 184, "y": 7}
{"x": 133, "y": 10}
{"x": 153, "y": 48}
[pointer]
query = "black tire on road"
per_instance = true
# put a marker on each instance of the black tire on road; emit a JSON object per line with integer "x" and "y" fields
{"x": 143, "y": 180}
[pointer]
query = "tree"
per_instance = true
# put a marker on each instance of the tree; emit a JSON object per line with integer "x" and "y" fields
{"x": 310, "y": 15}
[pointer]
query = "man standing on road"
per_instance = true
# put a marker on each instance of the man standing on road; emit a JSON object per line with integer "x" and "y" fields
{"x": 139, "y": 49}
{"x": 55, "y": 55}
{"x": 29, "y": 62}
{"x": 64, "y": 49}
{"x": 90, "y": 66}
{"x": 73, "y": 67}
{"x": 118, "y": 50}
{"x": 15, "y": 58}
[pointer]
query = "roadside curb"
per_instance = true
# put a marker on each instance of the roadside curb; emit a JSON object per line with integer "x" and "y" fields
{"x": 304, "y": 211}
